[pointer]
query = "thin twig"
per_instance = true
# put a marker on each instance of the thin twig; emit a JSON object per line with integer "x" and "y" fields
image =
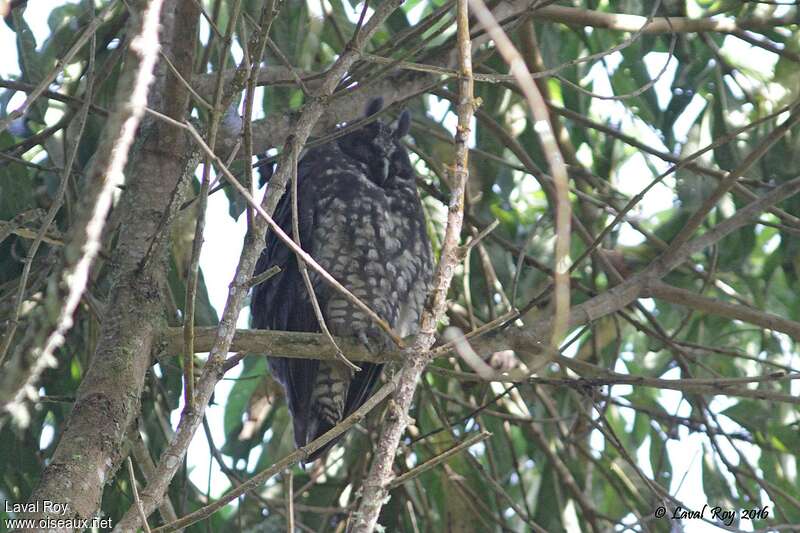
{"x": 480, "y": 235}
{"x": 264, "y": 276}
{"x": 288, "y": 64}
{"x": 135, "y": 492}
{"x": 188, "y": 86}
{"x": 439, "y": 459}
{"x": 289, "y": 500}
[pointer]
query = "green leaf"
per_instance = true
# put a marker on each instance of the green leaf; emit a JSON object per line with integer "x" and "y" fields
{"x": 750, "y": 414}
{"x": 16, "y": 189}
{"x": 253, "y": 372}
{"x": 660, "y": 460}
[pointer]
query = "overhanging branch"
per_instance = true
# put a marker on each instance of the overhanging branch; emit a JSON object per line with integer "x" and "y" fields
{"x": 284, "y": 343}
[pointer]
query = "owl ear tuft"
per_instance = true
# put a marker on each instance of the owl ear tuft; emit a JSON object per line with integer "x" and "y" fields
{"x": 403, "y": 124}
{"x": 374, "y": 105}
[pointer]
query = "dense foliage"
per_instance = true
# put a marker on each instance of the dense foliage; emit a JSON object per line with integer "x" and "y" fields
{"x": 672, "y": 424}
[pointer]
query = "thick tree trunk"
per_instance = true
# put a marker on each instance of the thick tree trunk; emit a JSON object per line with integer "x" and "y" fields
{"x": 91, "y": 449}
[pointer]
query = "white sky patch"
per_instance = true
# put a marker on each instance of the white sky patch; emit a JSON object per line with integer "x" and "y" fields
{"x": 628, "y": 236}
{"x": 199, "y": 453}
{"x": 611, "y": 62}
{"x": 414, "y": 15}
{"x": 224, "y": 238}
{"x": 236, "y": 52}
{"x": 601, "y": 84}
{"x": 437, "y": 107}
{"x": 733, "y": 87}
{"x": 8, "y": 41}
{"x": 643, "y": 453}
{"x": 258, "y": 110}
{"x": 631, "y": 178}
{"x": 688, "y": 118}
{"x": 204, "y": 31}
{"x": 440, "y": 111}
{"x": 354, "y": 13}
{"x": 46, "y": 436}
{"x": 654, "y": 62}
{"x": 315, "y": 8}
{"x": 746, "y": 56}
{"x": 17, "y": 100}
{"x": 585, "y": 155}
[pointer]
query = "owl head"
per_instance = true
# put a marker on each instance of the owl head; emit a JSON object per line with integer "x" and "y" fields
{"x": 377, "y": 146}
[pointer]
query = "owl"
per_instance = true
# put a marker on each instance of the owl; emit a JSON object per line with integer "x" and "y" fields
{"x": 360, "y": 217}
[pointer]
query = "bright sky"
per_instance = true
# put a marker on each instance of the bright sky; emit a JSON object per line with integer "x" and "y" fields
{"x": 224, "y": 237}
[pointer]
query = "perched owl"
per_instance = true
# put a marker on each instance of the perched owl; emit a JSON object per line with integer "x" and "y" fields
{"x": 360, "y": 217}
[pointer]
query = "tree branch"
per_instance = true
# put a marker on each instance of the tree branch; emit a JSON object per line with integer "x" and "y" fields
{"x": 625, "y": 293}
{"x": 692, "y": 299}
{"x": 279, "y": 466}
{"x": 273, "y": 130}
{"x": 572, "y": 16}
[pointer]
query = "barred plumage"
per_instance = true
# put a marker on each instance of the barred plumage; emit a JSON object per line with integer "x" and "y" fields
{"x": 360, "y": 217}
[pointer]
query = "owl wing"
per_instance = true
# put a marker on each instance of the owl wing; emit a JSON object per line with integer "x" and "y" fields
{"x": 282, "y": 302}
{"x": 361, "y": 387}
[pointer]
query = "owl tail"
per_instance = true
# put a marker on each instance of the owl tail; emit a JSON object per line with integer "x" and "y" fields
{"x": 337, "y": 395}
{"x": 327, "y": 406}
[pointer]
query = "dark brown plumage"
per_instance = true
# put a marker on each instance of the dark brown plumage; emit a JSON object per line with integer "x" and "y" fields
{"x": 360, "y": 217}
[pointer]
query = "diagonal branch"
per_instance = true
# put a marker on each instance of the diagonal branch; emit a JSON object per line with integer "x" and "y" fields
{"x": 692, "y": 299}
{"x": 625, "y": 293}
